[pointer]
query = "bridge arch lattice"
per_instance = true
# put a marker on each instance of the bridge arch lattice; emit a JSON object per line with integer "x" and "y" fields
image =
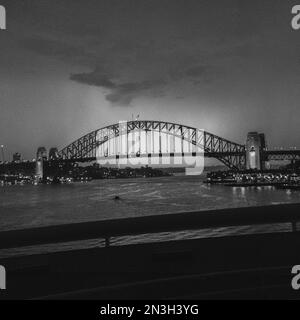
{"x": 85, "y": 148}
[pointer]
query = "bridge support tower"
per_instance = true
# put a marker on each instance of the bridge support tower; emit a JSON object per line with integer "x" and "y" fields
{"x": 41, "y": 156}
{"x": 255, "y": 145}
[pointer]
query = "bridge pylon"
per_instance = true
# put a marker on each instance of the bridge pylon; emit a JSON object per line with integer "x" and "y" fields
{"x": 41, "y": 156}
{"x": 255, "y": 147}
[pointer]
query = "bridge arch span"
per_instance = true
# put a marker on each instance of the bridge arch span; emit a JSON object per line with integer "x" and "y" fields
{"x": 85, "y": 148}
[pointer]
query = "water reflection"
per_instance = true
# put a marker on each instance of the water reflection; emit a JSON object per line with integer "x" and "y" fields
{"x": 28, "y": 206}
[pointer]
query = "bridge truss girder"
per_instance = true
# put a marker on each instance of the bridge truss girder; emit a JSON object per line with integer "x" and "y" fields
{"x": 282, "y": 155}
{"x": 232, "y": 154}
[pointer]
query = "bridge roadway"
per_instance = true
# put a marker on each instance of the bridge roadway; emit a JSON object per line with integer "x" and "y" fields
{"x": 268, "y": 155}
{"x": 279, "y": 155}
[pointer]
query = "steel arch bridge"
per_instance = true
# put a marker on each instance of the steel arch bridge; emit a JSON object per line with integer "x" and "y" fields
{"x": 182, "y": 140}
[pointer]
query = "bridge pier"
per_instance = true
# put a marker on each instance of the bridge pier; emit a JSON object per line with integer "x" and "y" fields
{"x": 41, "y": 155}
{"x": 255, "y": 145}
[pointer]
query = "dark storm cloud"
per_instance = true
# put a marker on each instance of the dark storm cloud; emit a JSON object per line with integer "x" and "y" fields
{"x": 124, "y": 93}
{"x": 94, "y": 79}
{"x": 141, "y": 46}
{"x": 120, "y": 93}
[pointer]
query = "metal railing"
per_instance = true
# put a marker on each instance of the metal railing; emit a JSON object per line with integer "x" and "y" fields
{"x": 233, "y": 217}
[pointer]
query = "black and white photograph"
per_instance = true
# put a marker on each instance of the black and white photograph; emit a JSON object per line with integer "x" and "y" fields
{"x": 149, "y": 152}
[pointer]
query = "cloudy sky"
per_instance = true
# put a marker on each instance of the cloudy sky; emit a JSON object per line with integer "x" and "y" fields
{"x": 68, "y": 67}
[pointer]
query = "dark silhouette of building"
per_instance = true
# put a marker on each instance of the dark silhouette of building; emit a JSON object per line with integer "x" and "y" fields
{"x": 17, "y": 157}
{"x": 53, "y": 154}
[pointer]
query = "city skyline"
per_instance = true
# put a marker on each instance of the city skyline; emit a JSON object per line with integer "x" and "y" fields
{"x": 228, "y": 67}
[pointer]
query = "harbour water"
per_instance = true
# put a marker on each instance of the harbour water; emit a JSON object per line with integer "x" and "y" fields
{"x": 30, "y": 206}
